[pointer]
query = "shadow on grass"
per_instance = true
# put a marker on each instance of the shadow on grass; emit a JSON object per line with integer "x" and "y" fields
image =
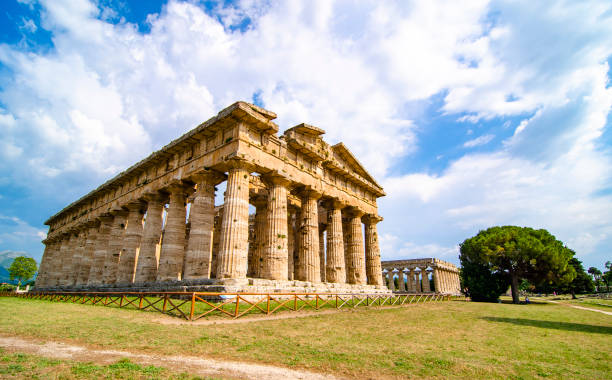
{"x": 567, "y": 326}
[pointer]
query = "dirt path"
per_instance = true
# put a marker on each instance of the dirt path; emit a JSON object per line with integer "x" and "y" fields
{"x": 189, "y": 364}
{"x": 582, "y": 307}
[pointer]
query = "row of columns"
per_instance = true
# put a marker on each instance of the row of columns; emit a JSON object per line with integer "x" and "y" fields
{"x": 123, "y": 248}
{"x": 445, "y": 281}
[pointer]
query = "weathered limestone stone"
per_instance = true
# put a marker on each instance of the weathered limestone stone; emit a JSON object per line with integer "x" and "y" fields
{"x": 322, "y": 266}
{"x": 275, "y": 253}
{"x": 100, "y": 251}
{"x": 173, "y": 244}
{"x": 88, "y": 252}
{"x": 356, "y": 265}
{"x": 318, "y": 249}
{"x": 146, "y": 268}
{"x": 400, "y": 281}
{"x": 115, "y": 244}
{"x": 372, "y": 250}
{"x": 411, "y": 287}
{"x": 425, "y": 279}
{"x": 335, "y": 268}
{"x": 79, "y": 252}
{"x": 260, "y": 235}
{"x": 308, "y": 233}
{"x": 233, "y": 246}
{"x": 391, "y": 283}
{"x": 198, "y": 257}
{"x": 290, "y": 243}
{"x": 131, "y": 243}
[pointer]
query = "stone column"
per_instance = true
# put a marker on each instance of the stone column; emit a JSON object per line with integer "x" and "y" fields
{"x": 322, "y": 266}
{"x": 400, "y": 280}
{"x": 346, "y": 231}
{"x": 275, "y": 254}
{"x": 308, "y": 234}
{"x": 43, "y": 271}
{"x": 55, "y": 267}
{"x": 78, "y": 256}
{"x": 335, "y": 267}
{"x": 216, "y": 242}
{"x": 88, "y": 252}
{"x": 100, "y": 250}
{"x": 444, "y": 281}
{"x": 372, "y": 250}
{"x": 198, "y": 257}
{"x": 290, "y": 244}
{"x": 68, "y": 259}
{"x": 417, "y": 283}
{"x": 233, "y": 244}
{"x": 391, "y": 282}
{"x": 436, "y": 278}
{"x": 173, "y": 244}
{"x": 115, "y": 244}
{"x": 261, "y": 220}
{"x": 146, "y": 268}
{"x": 356, "y": 265}
{"x": 131, "y": 243}
{"x": 425, "y": 280}
{"x": 410, "y": 280}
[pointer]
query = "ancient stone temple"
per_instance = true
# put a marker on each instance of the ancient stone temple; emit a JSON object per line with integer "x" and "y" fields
{"x": 416, "y": 275}
{"x": 298, "y": 215}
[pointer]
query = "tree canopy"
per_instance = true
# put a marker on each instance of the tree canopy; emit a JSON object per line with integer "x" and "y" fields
{"x": 23, "y": 268}
{"x": 511, "y": 253}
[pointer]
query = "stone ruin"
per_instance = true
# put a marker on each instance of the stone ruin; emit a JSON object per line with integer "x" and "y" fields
{"x": 155, "y": 227}
{"x": 414, "y": 276}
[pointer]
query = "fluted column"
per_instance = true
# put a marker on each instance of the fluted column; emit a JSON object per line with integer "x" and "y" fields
{"x": 55, "y": 267}
{"x": 335, "y": 271}
{"x": 356, "y": 264}
{"x": 391, "y": 283}
{"x": 445, "y": 279}
{"x": 173, "y": 244}
{"x": 308, "y": 234}
{"x": 290, "y": 244}
{"x": 233, "y": 244}
{"x": 436, "y": 278}
{"x": 425, "y": 280}
{"x": 410, "y": 280}
{"x": 216, "y": 242}
{"x": 88, "y": 252}
{"x": 400, "y": 281}
{"x": 259, "y": 241}
{"x": 372, "y": 249}
{"x": 131, "y": 243}
{"x": 322, "y": 264}
{"x": 115, "y": 244}
{"x": 79, "y": 252}
{"x": 43, "y": 271}
{"x": 275, "y": 254}
{"x": 68, "y": 259}
{"x": 198, "y": 257}
{"x": 100, "y": 251}
{"x": 146, "y": 268}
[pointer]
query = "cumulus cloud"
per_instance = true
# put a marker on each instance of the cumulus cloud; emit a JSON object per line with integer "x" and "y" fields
{"x": 106, "y": 95}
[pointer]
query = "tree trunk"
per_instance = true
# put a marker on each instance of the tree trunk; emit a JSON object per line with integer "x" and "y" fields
{"x": 514, "y": 285}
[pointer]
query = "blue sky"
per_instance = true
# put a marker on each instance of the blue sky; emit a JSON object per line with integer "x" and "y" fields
{"x": 471, "y": 114}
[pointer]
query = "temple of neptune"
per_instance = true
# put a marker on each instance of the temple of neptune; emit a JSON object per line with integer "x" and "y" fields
{"x": 312, "y": 228}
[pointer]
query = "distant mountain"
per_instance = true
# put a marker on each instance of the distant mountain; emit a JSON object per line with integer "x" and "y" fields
{"x": 6, "y": 259}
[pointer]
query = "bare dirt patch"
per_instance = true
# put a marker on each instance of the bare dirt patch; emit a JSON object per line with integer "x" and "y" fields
{"x": 190, "y": 364}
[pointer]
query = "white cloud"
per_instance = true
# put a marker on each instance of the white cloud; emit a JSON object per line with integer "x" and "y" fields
{"x": 480, "y": 140}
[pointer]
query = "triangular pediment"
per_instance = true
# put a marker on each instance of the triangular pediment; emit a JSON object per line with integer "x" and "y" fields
{"x": 344, "y": 154}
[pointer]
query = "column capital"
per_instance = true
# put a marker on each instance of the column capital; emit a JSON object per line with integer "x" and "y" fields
{"x": 208, "y": 176}
{"x": 236, "y": 162}
{"x": 118, "y": 212}
{"x": 106, "y": 218}
{"x": 136, "y": 206}
{"x": 178, "y": 187}
{"x": 355, "y": 212}
{"x": 334, "y": 203}
{"x": 372, "y": 218}
{"x": 310, "y": 193}
{"x": 155, "y": 196}
{"x": 92, "y": 223}
{"x": 275, "y": 178}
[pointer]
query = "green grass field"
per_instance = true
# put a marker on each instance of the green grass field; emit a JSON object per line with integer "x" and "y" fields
{"x": 443, "y": 339}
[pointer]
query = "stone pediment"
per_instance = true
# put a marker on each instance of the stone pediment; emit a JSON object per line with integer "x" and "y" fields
{"x": 344, "y": 156}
